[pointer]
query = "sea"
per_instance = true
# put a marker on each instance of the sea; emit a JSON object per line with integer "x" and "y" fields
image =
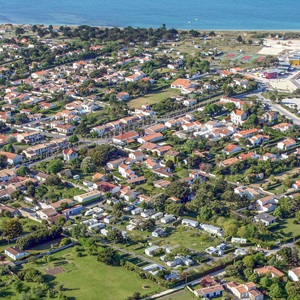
{"x": 180, "y": 14}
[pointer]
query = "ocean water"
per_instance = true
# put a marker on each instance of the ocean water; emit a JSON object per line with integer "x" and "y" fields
{"x": 181, "y": 14}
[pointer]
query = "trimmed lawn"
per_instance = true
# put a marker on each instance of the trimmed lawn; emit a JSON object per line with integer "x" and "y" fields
{"x": 86, "y": 278}
{"x": 288, "y": 228}
{"x": 183, "y": 294}
{"x": 153, "y": 97}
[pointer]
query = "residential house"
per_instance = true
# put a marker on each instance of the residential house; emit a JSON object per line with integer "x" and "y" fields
{"x": 15, "y": 253}
{"x": 209, "y": 292}
{"x": 269, "y": 270}
{"x": 69, "y": 154}
{"x": 231, "y": 148}
{"x": 265, "y": 218}
{"x": 12, "y": 158}
{"x": 294, "y": 274}
{"x": 29, "y": 137}
{"x": 150, "y": 138}
{"x": 238, "y": 117}
{"x": 266, "y": 204}
{"x": 125, "y": 137}
{"x": 282, "y": 127}
{"x": 247, "y": 291}
{"x": 286, "y": 144}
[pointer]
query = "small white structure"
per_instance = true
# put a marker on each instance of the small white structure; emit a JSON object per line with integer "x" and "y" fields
{"x": 212, "y": 229}
{"x": 294, "y": 274}
{"x": 15, "y": 253}
{"x": 152, "y": 250}
{"x": 157, "y": 216}
{"x": 136, "y": 211}
{"x": 238, "y": 240}
{"x": 167, "y": 219}
{"x": 190, "y": 223}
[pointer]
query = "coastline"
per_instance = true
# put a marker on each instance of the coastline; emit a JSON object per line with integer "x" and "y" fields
{"x": 179, "y": 29}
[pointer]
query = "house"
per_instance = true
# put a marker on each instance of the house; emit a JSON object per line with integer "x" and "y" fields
{"x": 65, "y": 128}
{"x": 104, "y": 187}
{"x": 238, "y": 117}
{"x": 137, "y": 156}
{"x": 90, "y": 196}
{"x": 152, "y": 250}
{"x": 113, "y": 164}
{"x": 29, "y": 137}
{"x": 167, "y": 219}
{"x": 15, "y": 253}
{"x": 212, "y": 229}
{"x": 269, "y": 117}
{"x": 47, "y": 213}
{"x": 258, "y": 139}
{"x": 99, "y": 177}
{"x": 266, "y": 204}
{"x": 190, "y": 223}
{"x": 122, "y": 138}
{"x": 269, "y": 270}
{"x": 161, "y": 183}
{"x": 247, "y": 291}
{"x": 265, "y": 218}
{"x": 151, "y": 164}
{"x": 182, "y": 84}
{"x": 73, "y": 211}
{"x": 12, "y": 158}
{"x": 250, "y": 193}
{"x": 158, "y": 232}
{"x": 286, "y": 144}
{"x": 294, "y": 274}
{"x": 150, "y": 138}
{"x": 231, "y": 148}
{"x": 282, "y": 127}
{"x": 69, "y": 154}
{"x": 209, "y": 292}
{"x": 123, "y": 96}
{"x": 296, "y": 184}
{"x": 228, "y": 162}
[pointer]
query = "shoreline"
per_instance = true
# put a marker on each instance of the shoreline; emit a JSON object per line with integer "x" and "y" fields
{"x": 179, "y": 29}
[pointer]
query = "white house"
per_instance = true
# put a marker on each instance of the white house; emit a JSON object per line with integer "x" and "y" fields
{"x": 152, "y": 250}
{"x": 294, "y": 274}
{"x": 238, "y": 117}
{"x": 212, "y": 229}
{"x": 286, "y": 144}
{"x": 189, "y": 222}
{"x": 15, "y": 253}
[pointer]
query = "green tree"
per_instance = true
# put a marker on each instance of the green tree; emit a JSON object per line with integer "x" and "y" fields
{"x": 73, "y": 139}
{"x": 3, "y": 161}
{"x": 88, "y": 165}
{"x": 115, "y": 236}
{"x": 8, "y": 148}
{"x": 109, "y": 256}
{"x": 277, "y": 292}
{"x": 12, "y": 228}
{"x": 54, "y": 166}
{"x": 23, "y": 171}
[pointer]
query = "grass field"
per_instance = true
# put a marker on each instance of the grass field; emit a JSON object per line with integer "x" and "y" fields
{"x": 288, "y": 228}
{"x": 85, "y": 278}
{"x": 153, "y": 97}
{"x": 183, "y": 294}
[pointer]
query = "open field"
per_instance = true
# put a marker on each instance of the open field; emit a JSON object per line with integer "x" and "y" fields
{"x": 153, "y": 97}
{"x": 96, "y": 280}
{"x": 183, "y": 294}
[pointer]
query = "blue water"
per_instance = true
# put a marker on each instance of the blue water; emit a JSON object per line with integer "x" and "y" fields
{"x": 182, "y": 14}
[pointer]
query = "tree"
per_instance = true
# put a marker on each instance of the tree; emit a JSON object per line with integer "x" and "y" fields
{"x": 109, "y": 256}
{"x": 23, "y": 171}
{"x": 248, "y": 261}
{"x": 239, "y": 39}
{"x": 170, "y": 164}
{"x": 12, "y": 228}
{"x": 3, "y": 161}
{"x": 178, "y": 189}
{"x": 53, "y": 180}
{"x": 73, "y": 139}
{"x": 265, "y": 281}
{"x": 293, "y": 290}
{"x": 115, "y": 236}
{"x": 205, "y": 213}
{"x": 277, "y": 292}
{"x": 8, "y": 148}
{"x": 175, "y": 209}
{"x": 54, "y": 166}
{"x": 103, "y": 153}
{"x": 290, "y": 256}
{"x": 88, "y": 165}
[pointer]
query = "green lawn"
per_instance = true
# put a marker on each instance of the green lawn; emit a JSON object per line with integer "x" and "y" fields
{"x": 190, "y": 239}
{"x": 154, "y": 97}
{"x": 183, "y": 294}
{"x": 288, "y": 228}
{"x": 86, "y": 278}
